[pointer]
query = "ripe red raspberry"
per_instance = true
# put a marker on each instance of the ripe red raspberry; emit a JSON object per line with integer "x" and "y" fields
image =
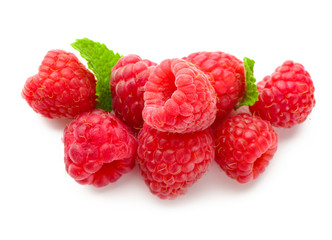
{"x": 171, "y": 162}
{"x": 63, "y": 87}
{"x": 286, "y": 98}
{"x": 179, "y": 98}
{"x": 227, "y": 76}
{"x": 244, "y": 146}
{"x": 99, "y": 148}
{"x": 128, "y": 78}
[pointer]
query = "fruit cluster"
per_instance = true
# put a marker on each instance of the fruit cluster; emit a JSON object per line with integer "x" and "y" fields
{"x": 171, "y": 119}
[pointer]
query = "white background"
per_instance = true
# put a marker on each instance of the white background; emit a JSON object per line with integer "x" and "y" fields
{"x": 291, "y": 200}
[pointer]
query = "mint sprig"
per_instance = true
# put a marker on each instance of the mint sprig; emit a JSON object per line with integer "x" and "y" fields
{"x": 251, "y": 92}
{"x": 100, "y": 61}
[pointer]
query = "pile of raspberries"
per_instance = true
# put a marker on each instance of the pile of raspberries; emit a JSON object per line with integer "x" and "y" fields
{"x": 171, "y": 119}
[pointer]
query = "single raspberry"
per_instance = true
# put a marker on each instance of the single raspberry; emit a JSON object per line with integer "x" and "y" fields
{"x": 63, "y": 87}
{"x": 286, "y": 98}
{"x": 128, "y": 78}
{"x": 99, "y": 148}
{"x": 171, "y": 162}
{"x": 179, "y": 98}
{"x": 244, "y": 146}
{"x": 227, "y": 76}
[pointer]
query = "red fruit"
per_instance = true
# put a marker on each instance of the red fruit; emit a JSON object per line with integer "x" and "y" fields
{"x": 128, "y": 78}
{"x": 244, "y": 146}
{"x": 227, "y": 77}
{"x": 99, "y": 148}
{"x": 171, "y": 162}
{"x": 62, "y": 88}
{"x": 286, "y": 98}
{"x": 179, "y": 98}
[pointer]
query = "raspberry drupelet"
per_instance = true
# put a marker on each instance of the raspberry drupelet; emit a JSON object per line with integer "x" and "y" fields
{"x": 179, "y": 98}
{"x": 99, "y": 148}
{"x": 63, "y": 87}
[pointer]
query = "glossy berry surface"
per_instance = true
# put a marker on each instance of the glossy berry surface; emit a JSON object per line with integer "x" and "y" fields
{"x": 245, "y": 144}
{"x": 286, "y": 98}
{"x": 98, "y": 148}
{"x": 62, "y": 88}
{"x": 226, "y": 74}
{"x": 128, "y": 78}
{"x": 179, "y": 98}
{"x": 170, "y": 162}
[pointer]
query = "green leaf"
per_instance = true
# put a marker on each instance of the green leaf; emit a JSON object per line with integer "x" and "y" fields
{"x": 251, "y": 93}
{"x": 100, "y": 60}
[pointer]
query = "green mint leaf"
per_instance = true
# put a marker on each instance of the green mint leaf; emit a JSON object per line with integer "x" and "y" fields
{"x": 100, "y": 60}
{"x": 251, "y": 93}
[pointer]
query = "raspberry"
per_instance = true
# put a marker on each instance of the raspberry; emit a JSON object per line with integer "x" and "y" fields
{"x": 98, "y": 148}
{"x": 227, "y": 76}
{"x": 286, "y": 98}
{"x": 244, "y": 146}
{"x": 171, "y": 162}
{"x": 179, "y": 98}
{"x": 62, "y": 88}
{"x": 128, "y": 78}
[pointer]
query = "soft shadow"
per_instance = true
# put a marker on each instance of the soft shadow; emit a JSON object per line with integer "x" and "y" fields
{"x": 216, "y": 180}
{"x": 287, "y": 133}
{"x": 57, "y": 124}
